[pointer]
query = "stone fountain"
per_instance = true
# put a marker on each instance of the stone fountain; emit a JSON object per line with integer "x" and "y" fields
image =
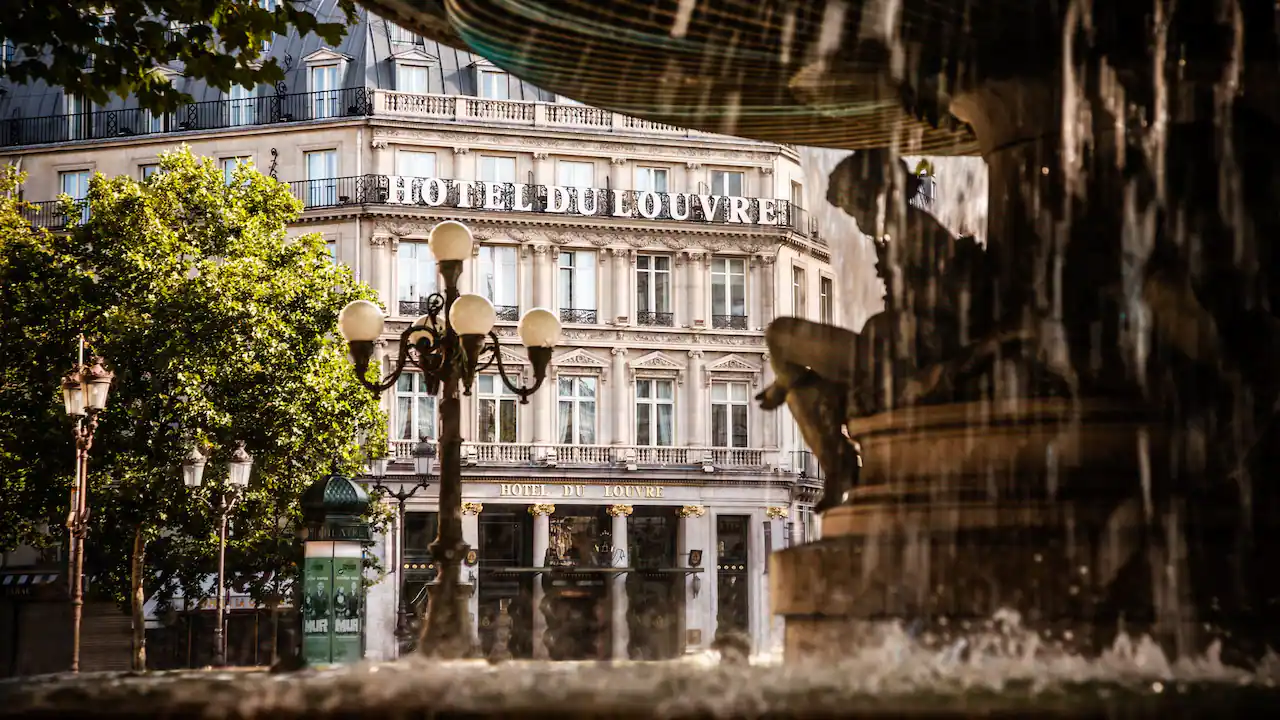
{"x": 1074, "y": 421}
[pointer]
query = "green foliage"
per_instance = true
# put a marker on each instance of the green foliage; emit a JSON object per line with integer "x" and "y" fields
{"x": 218, "y": 329}
{"x": 94, "y": 54}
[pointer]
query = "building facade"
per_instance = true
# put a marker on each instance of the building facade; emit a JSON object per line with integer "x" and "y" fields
{"x": 628, "y": 509}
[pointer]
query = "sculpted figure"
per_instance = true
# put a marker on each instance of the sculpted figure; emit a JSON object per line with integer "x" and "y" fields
{"x": 910, "y": 353}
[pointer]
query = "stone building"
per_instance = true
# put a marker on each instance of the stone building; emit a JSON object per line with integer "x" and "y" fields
{"x": 642, "y": 471}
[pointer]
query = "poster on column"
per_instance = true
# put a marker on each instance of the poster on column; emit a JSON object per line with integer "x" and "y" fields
{"x": 348, "y": 610}
{"x": 317, "y": 641}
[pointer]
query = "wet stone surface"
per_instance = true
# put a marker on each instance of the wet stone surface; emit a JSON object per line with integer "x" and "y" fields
{"x": 893, "y": 685}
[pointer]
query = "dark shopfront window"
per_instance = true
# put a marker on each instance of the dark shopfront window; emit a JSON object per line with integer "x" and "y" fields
{"x": 506, "y": 542}
{"x": 732, "y": 561}
{"x": 419, "y": 533}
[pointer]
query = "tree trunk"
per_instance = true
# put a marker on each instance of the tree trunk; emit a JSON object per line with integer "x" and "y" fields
{"x": 138, "y": 599}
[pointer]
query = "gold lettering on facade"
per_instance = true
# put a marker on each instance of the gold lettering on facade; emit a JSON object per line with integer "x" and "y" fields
{"x": 522, "y": 490}
{"x": 629, "y": 491}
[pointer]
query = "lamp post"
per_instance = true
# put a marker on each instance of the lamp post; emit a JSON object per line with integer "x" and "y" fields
{"x": 448, "y": 344}
{"x": 238, "y": 467}
{"x": 405, "y": 487}
{"x": 84, "y": 393}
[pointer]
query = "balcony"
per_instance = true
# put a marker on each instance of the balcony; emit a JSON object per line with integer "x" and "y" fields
{"x": 627, "y": 456}
{"x": 464, "y": 109}
{"x": 729, "y": 322}
{"x": 579, "y": 316}
{"x": 655, "y": 319}
{"x": 210, "y": 115}
{"x": 507, "y": 313}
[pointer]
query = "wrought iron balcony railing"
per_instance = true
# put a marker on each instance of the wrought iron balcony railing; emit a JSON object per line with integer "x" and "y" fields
{"x": 729, "y": 322}
{"x": 210, "y": 115}
{"x": 655, "y": 319}
{"x": 411, "y": 308}
{"x": 49, "y": 214}
{"x": 577, "y": 315}
{"x": 509, "y": 313}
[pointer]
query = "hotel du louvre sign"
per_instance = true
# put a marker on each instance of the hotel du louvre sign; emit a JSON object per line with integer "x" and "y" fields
{"x": 582, "y": 202}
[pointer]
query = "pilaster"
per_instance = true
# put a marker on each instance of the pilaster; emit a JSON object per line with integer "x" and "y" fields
{"x": 541, "y": 541}
{"x": 464, "y": 164}
{"x": 620, "y": 634}
{"x": 695, "y": 398}
{"x": 693, "y": 547}
{"x": 621, "y": 397}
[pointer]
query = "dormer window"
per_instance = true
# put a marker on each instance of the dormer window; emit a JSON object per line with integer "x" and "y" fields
{"x": 413, "y": 70}
{"x": 492, "y": 85}
{"x": 402, "y": 36}
{"x": 326, "y": 68}
{"x": 491, "y": 82}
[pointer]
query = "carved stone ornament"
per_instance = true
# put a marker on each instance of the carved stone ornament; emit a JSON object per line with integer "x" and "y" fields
{"x": 378, "y": 144}
{"x": 620, "y": 510}
{"x": 540, "y": 509}
{"x": 472, "y": 508}
{"x": 657, "y": 364}
{"x": 691, "y": 511}
{"x": 777, "y": 513}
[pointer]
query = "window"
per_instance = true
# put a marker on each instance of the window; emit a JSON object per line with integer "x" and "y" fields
{"x": 416, "y": 164}
{"x": 498, "y": 280}
{"x": 651, "y": 179}
{"x": 797, "y": 194}
{"x": 729, "y": 414}
{"x": 415, "y": 409}
{"x": 324, "y": 91}
{"x": 416, "y": 267}
{"x": 79, "y": 117}
{"x": 653, "y": 290}
{"x": 493, "y": 85}
{"x": 826, "y": 303}
{"x": 229, "y": 166}
{"x": 577, "y": 286}
{"x": 799, "y": 296}
{"x": 493, "y": 168}
{"x": 153, "y": 123}
{"x": 497, "y": 410}
{"x": 269, "y": 6}
{"x": 76, "y": 184}
{"x": 655, "y": 412}
{"x": 729, "y": 293}
{"x": 7, "y": 50}
{"x": 402, "y": 36}
{"x": 146, "y": 171}
{"x": 322, "y": 178}
{"x": 724, "y": 182}
{"x": 575, "y": 174}
{"x": 577, "y": 410}
{"x": 332, "y": 248}
{"x": 241, "y": 107}
{"x": 411, "y": 78}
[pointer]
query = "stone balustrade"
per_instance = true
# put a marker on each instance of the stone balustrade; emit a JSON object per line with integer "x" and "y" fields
{"x": 461, "y": 108}
{"x": 629, "y": 456}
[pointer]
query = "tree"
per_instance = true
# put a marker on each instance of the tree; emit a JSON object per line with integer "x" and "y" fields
{"x": 218, "y": 328}
{"x": 95, "y": 53}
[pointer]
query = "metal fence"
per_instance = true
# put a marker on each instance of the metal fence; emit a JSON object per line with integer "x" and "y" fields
{"x": 210, "y": 115}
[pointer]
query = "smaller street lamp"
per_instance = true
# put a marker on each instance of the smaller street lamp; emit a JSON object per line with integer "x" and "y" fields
{"x": 84, "y": 395}
{"x": 401, "y": 488}
{"x": 239, "y": 466}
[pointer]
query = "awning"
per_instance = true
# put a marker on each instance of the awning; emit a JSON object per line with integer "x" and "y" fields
{"x": 24, "y": 583}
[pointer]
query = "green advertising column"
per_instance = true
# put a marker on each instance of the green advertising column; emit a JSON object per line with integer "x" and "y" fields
{"x": 333, "y": 592}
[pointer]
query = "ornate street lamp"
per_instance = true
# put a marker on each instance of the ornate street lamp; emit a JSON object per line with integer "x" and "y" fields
{"x": 448, "y": 344}
{"x": 84, "y": 394}
{"x": 239, "y": 465}
{"x": 402, "y": 488}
